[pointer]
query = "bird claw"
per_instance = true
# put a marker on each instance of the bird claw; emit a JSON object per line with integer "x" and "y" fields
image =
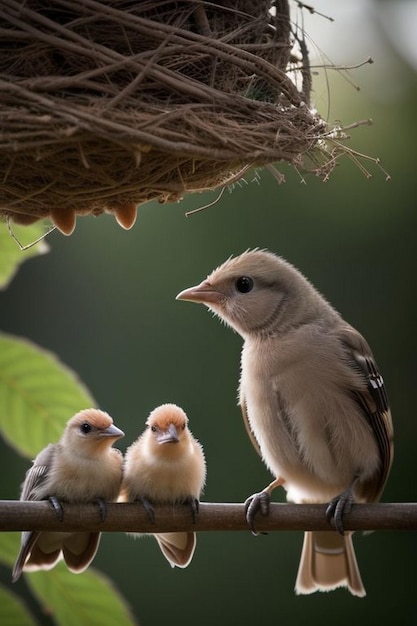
{"x": 57, "y": 506}
{"x": 194, "y": 504}
{"x": 103, "y": 508}
{"x": 338, "y": 507}
{"x": 148, "y": 508}
{"x": 258, "y": 502}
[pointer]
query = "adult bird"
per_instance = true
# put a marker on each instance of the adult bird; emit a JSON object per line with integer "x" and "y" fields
{"x": 312, "y": 399}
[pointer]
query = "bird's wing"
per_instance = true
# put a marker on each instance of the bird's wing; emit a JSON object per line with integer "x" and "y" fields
{"x": 28, "y": 541}
{"x": 247, "y": 425}
{"x": 38, "y": 473}
{"x": 373, "y": 401}
{"x": 35, "y": 476}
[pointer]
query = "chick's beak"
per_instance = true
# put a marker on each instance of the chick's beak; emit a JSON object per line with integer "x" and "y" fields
{"x": 203, "y": 293}
{"x": 168, "y": 436}
{"x": 112, "y": 431}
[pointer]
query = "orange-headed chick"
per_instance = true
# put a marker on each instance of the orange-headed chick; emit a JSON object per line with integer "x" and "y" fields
{"x": 166, "y": 465}
{"x": 82, "y": 467}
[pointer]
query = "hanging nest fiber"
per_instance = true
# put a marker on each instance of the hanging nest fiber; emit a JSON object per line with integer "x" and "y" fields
{"x": 105, "y": 105}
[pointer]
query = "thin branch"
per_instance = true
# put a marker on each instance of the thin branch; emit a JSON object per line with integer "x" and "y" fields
{"x": 132, "y": 517}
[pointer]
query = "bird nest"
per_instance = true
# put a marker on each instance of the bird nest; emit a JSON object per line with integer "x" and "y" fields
{"x": 105, "y": 105}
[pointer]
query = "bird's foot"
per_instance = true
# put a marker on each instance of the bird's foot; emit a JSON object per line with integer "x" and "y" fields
{"x": 57, "y": 506}
{"x": 103, "y": 508}
{"x": 257, "y": 502}
{"x": 148, "y": 508}
{"x": 338, "y": 507}
{"x": 194, "y": 505}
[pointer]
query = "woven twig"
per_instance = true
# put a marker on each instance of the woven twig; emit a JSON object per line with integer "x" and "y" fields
{"x": 104, "y": 106}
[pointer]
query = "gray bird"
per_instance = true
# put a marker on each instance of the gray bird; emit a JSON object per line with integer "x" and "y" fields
{"x": 313, "y": 402}
{"x": 82, "y": 467}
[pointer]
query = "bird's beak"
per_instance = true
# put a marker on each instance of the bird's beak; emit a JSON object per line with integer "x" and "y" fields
{"x": 168, "y": 436}
{"x": 203, "y": 293}
{"x": 112, "y": 431}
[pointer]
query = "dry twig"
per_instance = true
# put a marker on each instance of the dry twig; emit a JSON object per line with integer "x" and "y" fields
{"x": 132, "y": 517}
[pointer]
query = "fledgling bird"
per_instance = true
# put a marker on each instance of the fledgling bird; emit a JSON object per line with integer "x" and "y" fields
{"x": 82, "y": 467}
{"x": 313, "y": 402}
{"x": 166, "y": 465}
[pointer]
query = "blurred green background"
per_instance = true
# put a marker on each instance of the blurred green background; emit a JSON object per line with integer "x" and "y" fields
{"x": 104, "y": 301}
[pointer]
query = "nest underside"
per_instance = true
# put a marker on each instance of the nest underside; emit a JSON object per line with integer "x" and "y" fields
{"x": 107, "y": 105}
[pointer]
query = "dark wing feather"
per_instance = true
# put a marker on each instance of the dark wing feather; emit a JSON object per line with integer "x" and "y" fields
{"x": 28, "y": 541}
{"x": 35, "y": 476}
{"x": 38, "y": 473}
{"x": 373, "y": 401}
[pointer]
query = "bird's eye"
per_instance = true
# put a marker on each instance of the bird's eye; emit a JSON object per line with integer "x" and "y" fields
{"x": 154, "y": 429}
{"x": 85, "y": 428}
{"x": 244, "y": 284}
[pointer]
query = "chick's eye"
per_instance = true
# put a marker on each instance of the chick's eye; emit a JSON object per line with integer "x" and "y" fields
{"x": 244, "y": 284}
{"x": 154, "y": 429}
{"x": 85, "y": 428}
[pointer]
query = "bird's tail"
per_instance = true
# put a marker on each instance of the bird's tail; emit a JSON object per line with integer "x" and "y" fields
{"x": 178, "y": 548}
{"x": 328, "y": 561}
{"x": 79, "y": 549}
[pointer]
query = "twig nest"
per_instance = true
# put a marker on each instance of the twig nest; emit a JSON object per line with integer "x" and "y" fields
{"x": 107, "y": 105}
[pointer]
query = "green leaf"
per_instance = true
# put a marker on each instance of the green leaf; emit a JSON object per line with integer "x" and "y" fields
{"x": 13, "y": 611}
{"x": 79, "y": 599}
{"x": 38, "y": 395}
{"x": 9, "y": 548}
{"x": 11, "y": 256}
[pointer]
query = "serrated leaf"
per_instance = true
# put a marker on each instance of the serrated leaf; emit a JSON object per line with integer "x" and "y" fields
{"x": 38, "y": 395}
{"x": 9, "y": 548}
{"x": 13, "y": 612}
{"x": 11, "y": 256}
{"x": 79, "y": 599}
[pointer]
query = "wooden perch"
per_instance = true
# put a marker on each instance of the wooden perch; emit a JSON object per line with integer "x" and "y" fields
{"x": 132, "y": 517}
